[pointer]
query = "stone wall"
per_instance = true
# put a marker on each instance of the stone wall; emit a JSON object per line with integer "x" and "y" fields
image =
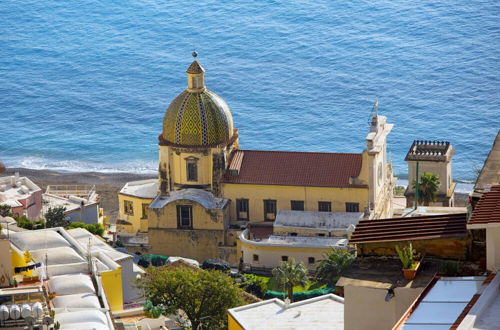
{"x": 452, "y": 248}
{"x": 193, "y": 244}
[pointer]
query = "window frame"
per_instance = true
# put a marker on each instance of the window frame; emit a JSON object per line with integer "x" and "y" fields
{"x": 239, "y": 202}
{"x": 179, "y": 217}
{"x": 128, "y": 207}
{"x": 296, "y": 203}
{"x": 309, "y": 260}
{"x": 351, "y": 207}
{"x": 255, "y": 258}
{"x": 284, "y": 258}
{"x": 323, "y": 203}
{"x": 273, "y": 202}
{"x": 144, "y": 208}
{"x": 190, "y": 163}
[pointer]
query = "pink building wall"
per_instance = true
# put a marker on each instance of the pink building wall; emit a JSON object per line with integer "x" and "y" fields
{"x": 32, "y": 205}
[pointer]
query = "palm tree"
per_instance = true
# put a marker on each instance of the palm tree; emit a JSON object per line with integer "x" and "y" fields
{"x": 330, "y": 268}
{"x": 428, "y": 187}
{"x": 289, "y": 274}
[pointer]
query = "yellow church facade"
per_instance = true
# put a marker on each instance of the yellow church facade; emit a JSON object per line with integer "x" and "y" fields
{"x": 209, "y": 189}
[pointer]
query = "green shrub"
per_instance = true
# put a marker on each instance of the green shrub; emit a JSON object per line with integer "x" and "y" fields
{"x": 256, "y": 285}
{"x": 25, "y": 223}
{"x": 451, "y": 268}
{"x": 94, "y": 228}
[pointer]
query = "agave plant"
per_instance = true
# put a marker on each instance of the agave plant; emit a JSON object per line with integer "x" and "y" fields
{"x": 408, "y": 256}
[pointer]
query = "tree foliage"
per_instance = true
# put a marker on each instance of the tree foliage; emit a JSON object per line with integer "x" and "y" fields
{"x": 427, "y": 188}
{"x": 287, "y": 275}
{"x": 25, "y": 223}
{"x": 94, "y": 228}
{"x": 334, "y": 262}
{"x": 54, "y": 217}
{"x": 5, "y": 211}
{"x": 204, "y": 296}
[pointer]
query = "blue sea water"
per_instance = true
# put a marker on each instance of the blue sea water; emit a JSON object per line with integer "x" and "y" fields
{"x": 84, "y": 84}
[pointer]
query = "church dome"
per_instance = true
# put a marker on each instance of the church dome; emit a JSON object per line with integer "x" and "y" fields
{"x": 197, "y": 117}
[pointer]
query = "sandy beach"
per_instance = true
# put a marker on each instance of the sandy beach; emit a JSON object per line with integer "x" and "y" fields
{"x": 107, "y": 184}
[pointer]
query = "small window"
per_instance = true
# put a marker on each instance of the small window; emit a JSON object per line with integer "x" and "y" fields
{"x": 297, "y": 205}
{"x": 242, "y": 209}
{"x": 321, "y": 235}
{"x": 192, "y": 170}
{"x": 269, "y": 209}
{"x": 284, "y": 258}
{"x": 256, "y": 257}
{"x": 325, "y": 206}
{"x": 311, "y": 260}
{"x": 128, "y": 207}
{"x": 293, "y": 234}
{"x": 352, "y": 207}
{"x": 184, "y": 217}
{"x": 144, "y": 211}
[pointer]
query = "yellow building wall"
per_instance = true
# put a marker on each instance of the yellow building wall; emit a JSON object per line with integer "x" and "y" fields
{"x": 112, "y": 283}
{"x": 206, "y": 240}
{"x": 179, "y": 168}
{"x": 194, "y": 244}
{"x": 137, "y": 223}
{"x": 202, "y": 218}
{"x": 20, "y": 259}
{"x": 232, "y": 324}
{"x": 256, "y": 194}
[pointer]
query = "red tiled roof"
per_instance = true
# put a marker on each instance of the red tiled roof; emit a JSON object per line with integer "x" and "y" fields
{"x": 406, "y": 229}
{"x": 297, "y": 169}
{"x": 487, "y": 209}
{"x": 259, "y": 231}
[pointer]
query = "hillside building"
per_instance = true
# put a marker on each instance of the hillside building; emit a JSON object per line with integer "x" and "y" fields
{"x": 209, "y": 189}
{"x": 22, "y": 195}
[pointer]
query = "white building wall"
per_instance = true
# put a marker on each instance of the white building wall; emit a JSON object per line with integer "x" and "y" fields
{"x": 493, "y": 249}
{"x": 272, "y": 258}
{"x": 366, "y": 308}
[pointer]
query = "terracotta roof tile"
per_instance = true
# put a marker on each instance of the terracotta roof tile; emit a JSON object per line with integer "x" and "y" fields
{"x": 405, "y": 229}
{"x": 297, "y": 169}
{"x": 487, "y": 209}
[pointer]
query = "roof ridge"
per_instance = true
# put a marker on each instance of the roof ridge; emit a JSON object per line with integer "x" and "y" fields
{"x": 302, "y": 152}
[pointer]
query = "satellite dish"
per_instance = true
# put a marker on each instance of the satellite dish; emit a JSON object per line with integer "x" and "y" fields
{"x": 30, "y": 321}
{"x": 47, "y": 320}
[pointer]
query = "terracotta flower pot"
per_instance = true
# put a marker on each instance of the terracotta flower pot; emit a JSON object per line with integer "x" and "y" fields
{"x": 409, "y": 274}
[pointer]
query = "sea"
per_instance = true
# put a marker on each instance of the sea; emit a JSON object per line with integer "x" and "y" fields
{"x": 84, "y": 84}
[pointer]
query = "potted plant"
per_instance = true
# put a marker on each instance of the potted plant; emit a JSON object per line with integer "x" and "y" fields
{"x": 408, "y": 258}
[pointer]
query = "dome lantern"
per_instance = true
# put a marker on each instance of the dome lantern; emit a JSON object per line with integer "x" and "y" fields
{"x": 197, "y": 117}
{"x": 196, "y": 77}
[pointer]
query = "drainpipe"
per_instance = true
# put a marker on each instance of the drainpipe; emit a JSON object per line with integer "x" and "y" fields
{"x": 416, "y": 188}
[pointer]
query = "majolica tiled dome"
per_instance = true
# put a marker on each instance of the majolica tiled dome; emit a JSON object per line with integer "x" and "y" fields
{"x": 197, "y": 117}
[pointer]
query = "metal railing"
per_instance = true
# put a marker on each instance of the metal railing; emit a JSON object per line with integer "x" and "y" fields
{"x": 84, "y": 191}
